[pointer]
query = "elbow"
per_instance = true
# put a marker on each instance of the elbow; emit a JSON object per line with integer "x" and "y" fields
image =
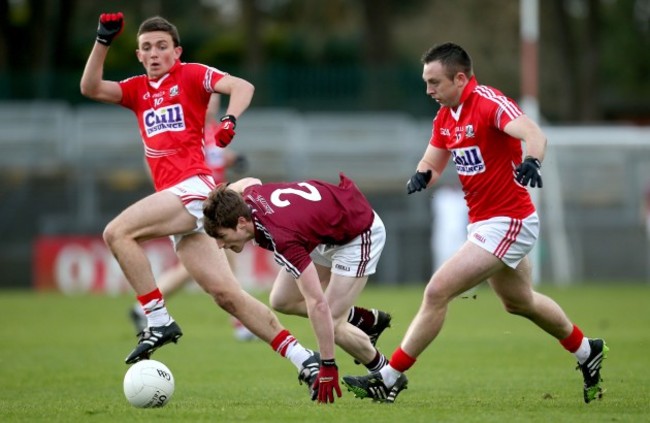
{"x": 86, "y": 89}
{"x": 250, "y": 88}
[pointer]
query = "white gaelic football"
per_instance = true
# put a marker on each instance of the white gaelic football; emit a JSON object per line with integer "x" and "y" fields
{"x": 148, "y": 383}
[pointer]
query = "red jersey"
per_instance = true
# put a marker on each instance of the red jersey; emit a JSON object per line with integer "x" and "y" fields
{"x": 293, "y": 218}
{"x": 171, "y": 116}
{"x": 484, "y": 155}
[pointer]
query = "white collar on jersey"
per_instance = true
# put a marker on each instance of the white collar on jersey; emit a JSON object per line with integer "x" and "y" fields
{"x": 456, "y": 113}
{"x": 156, "y": 84}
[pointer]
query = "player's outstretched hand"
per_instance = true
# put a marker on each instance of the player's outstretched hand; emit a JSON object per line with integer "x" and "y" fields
{"x": 327, "y": 382}
{"x": 418, "y": 181}
{"x": 110, "y": 26}
{"x": 225, "y": 131}
{"x": 529, "y": 171}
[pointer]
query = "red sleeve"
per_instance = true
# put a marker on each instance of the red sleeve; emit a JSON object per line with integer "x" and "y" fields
{"x": 435, "y": 139}
{"x": 503, "y": 111}
{"x": 209, "y": 75}
{"x": 129, "y": 92}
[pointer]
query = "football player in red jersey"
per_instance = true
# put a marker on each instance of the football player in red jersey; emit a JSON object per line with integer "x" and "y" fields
{"x": 219, "y": 160}
{"x": 328, "y": 239}
{"x": 481, "y": 130}
{"x": 169, "y": 101}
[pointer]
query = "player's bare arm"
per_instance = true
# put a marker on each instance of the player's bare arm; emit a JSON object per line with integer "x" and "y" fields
{"x": 93, "y": 84}
{"x": 434, "y": 159}
{"x": 526, "y": 129}
{"x": 240, "y": 185}
{"x": 320, "y": 316}
{"x": 240, "y": 92}
{"x": 318, "y": 310}
{"x": 428, "y": 170}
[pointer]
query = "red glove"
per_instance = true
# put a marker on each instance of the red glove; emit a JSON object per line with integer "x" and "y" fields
{"x": 110, "y": 26}
{"x": 225, "y": 132}
{"x": 327, "y": 382}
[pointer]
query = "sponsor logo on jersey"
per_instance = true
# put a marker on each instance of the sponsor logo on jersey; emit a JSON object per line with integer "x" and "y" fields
{"x": 468, "y": 160}
{"x": 262, "y": 202}
{"x": 164, "y": 119}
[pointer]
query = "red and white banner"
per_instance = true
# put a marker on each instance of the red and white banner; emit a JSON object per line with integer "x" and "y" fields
{"x": 83, "y": 264}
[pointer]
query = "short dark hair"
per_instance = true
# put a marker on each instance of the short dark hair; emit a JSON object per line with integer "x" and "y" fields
{"x": 452, "y": 57}
{"x": 158, "y": 23}
{"x": 222, "y": 210}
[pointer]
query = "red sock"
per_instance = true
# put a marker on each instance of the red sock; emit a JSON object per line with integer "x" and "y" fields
{"x": 282, "y": 342}
{"x": 145, "y": 299}
{"x": 401, "y": 361}
{"x": 572, "y": 342}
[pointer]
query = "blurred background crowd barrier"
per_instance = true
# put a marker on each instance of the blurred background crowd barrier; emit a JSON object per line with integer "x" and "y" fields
{"x": 338, "y": 88}
{"x": 67, "y": 170}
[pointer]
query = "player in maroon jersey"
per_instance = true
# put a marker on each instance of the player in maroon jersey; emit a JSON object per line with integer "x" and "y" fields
{"x": 170, "y": 102}
{"x": 481, "y": 130}
{"x": 328, "y": 239}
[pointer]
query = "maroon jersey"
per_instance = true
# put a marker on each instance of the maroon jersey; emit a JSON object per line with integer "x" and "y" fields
{"x": 293, "y": 218}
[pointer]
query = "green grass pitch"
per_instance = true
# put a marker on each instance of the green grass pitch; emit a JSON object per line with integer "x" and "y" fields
{"x": 61, "y": 359}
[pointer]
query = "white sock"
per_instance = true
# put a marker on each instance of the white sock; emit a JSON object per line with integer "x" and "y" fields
{"x": 583, "y": 351}
{"x": 389, "y": 375}
{"x": 297, "y": 354}
{"x": 156, "y": 312}
{"x": 159, "y": 317}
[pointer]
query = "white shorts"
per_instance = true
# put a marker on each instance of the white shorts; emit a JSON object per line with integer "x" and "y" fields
{"x": 357, "y": 258}
{"x": 508, "y": 239}
{"x": 193, "y": 192}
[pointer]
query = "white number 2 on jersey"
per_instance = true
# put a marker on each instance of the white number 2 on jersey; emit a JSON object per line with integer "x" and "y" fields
{"x": 312, "y": 194}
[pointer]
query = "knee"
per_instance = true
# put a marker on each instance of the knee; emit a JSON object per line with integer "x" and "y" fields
{"x": 277, "y": 303}
{"x": 517, "y": 308}
{"x": 110, "y": 234}
{"x": 282, "y": 305}
{"x": 433, "y": 294}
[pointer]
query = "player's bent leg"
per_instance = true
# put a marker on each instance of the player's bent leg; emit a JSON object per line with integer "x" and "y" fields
{"x": 209, "y": 267}
{"x": 285, "y": 297}
{"x": 124, "y": 233}
{"x": 465, "y": 269}
{"x": 514, "y": 289}
{"x": 123, "y": 236}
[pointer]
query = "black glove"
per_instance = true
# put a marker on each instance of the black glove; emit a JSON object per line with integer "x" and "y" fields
{"x": 529, "y": 171}
{"x": 418, "y": 182}
{"x": 110, "y": 26}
